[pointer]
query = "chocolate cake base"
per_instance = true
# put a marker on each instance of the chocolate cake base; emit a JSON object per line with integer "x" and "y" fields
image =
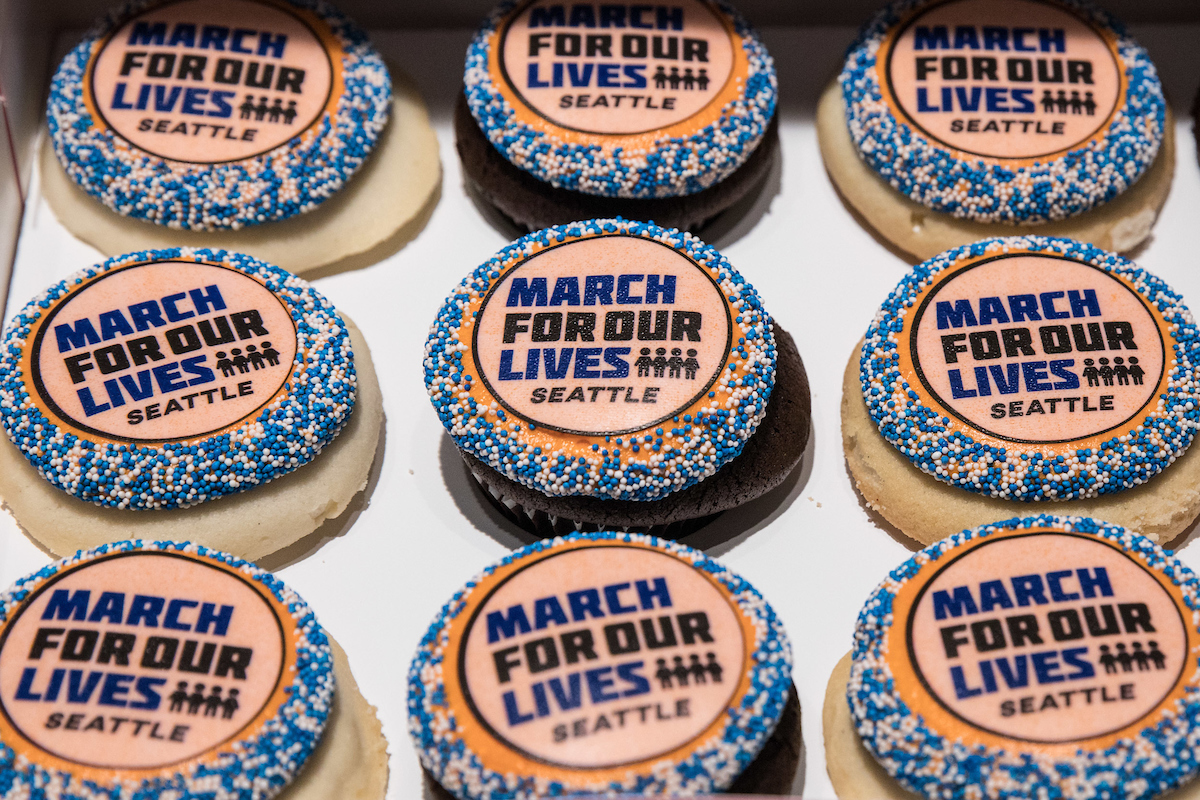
{"x": 770, "y": 455}
{"x": 532, "y": 204}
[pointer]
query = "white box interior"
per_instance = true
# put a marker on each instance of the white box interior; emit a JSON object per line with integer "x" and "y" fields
{"x": 378, "y": 576}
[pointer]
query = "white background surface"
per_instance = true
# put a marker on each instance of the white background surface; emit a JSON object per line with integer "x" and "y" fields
{"x": 377, "y": 576}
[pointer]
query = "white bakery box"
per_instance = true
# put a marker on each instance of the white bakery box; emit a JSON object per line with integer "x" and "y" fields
{"x": 377, "y": 575}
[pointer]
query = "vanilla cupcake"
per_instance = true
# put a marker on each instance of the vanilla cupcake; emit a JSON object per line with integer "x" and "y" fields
{"x": 1025, "y": 375}
{"x": 957, "y": 121}
{"x": 1043, "y": 656}
{"x": 262, "y": 126}
{"x": 184, "y": 394}
{"x": 168, "y": 671}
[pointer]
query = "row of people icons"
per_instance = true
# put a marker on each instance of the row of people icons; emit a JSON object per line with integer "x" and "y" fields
{"x": 686, "y": 81}
{"x": 1126, "y": 660}
{"x": 235, "y": 361}
{"x": 183, "y": 701}
{"x": 697, "y": 672}
{"x": 1074, "y": 104}
{"x": 263, "y": 109}
{"x": 1119, "y": 371}
{"x": 671, "y": 367}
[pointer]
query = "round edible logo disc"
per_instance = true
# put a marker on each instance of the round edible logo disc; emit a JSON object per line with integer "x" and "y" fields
{"x": 589, "y": 73}
{"x": 161, "y": 351}
{"x": 132, "y": 663}
{"x": 166, "y": 378}
{"x": 1036, "y": 350}
{"x": 599, "y": 660}
{"x": 217, "y": 114}
{"x": 1033, "y": 368}
{"x": 213, "y": 81}
{"x": 652, "y": 659}
{"x": 602, "y": 358}
{"x": 1007, "y": 80}
{"x": 1003, "y": 111}
{"x": 1040, "y": 637}
{"x": 602, "y": 336}
{"x": 604, "y": 659}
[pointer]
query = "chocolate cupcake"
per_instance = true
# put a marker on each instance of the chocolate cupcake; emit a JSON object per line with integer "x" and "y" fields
{"x": 660, "y": 113}
{"x": 168, "y": 671}
{"x": 269, "y": 127}
{"x": 1038, "y": 657}
{"x": 607, "y": 663}
{"x": 184, "y": 394}
{"x": 959, "y": 120}
{"x": 612, "y": 374}
{"x": 1020, "y": 374}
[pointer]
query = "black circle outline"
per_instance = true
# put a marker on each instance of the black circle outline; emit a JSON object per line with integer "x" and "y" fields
{"x": 45, "y": 396}
{"x": 908, "y": 117}
{"x": 462, "y": 665}
{"x": 512, "y": 16}
{"x": 28, "y": 601}
{"x": 95, "y": 58}
{"x": 912, "y": 656}
{"x": 504, "y": 276}
{"x": 933, "y": 290}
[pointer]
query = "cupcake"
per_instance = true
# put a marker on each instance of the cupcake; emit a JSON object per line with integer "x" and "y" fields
{"x": 268, "y": 127}
{"x": 663, "y": 113}
{"x": 956, "y": 121}
{"x": 1018, "y": 375}
{"x": 174, "y": 394}
{"x": 673, "y": 677}
{"x": 1039, "y": 657}
{"x": 616, "y": 375}
{"x": 170, "y": 671}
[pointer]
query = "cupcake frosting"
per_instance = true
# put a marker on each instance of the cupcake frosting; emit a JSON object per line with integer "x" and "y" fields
{"x": 621, "y": 100}
{"x": 605, "y": 358}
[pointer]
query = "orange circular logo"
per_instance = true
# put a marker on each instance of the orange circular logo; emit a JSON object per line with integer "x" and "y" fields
{"x": 1010, "y": 80}
{"x": 602, "y": 336}
{"x": 161, "y": 351}
{"x": 618, "y": 74}
{"x": 1039, "y": 636}
{"x": 616, "y": 69}
{"x": 133, "y": 663}
{"x": 1035, "y": 349}
{"x": 214, "y": 81}
{"x": 632, "y": 656}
